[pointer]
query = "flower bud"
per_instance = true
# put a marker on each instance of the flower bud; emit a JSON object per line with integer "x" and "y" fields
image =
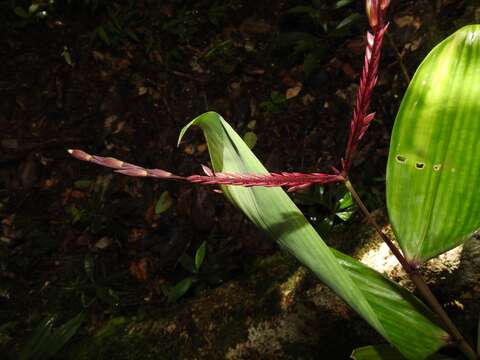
{"x": 384, "y": 5}
{"x": 372, "y": 8}
{"x": 80, "y": 154}
{"x": 108, "y": 162}
{"x": 137, "y": 172}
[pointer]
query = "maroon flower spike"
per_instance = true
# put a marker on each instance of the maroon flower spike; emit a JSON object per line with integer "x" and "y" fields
{"x": 361, "y": 119}
{"x": 294, "y": 181}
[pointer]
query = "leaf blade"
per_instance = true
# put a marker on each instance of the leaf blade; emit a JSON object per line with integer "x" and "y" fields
{"x": 273, "y": 211}
{"x": 432, "y": 197}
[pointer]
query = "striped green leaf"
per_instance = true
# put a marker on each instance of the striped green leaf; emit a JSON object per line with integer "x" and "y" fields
{"x": 384, "y": 305}
{"x": 433, "y": 172}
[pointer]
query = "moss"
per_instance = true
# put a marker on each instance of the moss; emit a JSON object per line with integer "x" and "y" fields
{"x": 204, "y": 327}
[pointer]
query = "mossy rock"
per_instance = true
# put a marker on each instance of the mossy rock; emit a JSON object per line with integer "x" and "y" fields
{"x": 276, "y": 310}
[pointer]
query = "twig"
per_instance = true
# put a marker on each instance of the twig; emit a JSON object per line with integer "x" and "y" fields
{"x": 187, "y": 76}
{"x": 399, "y": 59}
{"x": 417, "y": 279}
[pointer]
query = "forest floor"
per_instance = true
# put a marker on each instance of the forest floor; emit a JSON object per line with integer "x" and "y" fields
{"x": 121, "y": 80}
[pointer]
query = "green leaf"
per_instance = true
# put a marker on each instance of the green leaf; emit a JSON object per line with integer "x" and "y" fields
{"x": 67, "y": 56}
{"x": 32, "y": 9}
{"x": 342, "y": 3}
{"x": 250, "y": 139}
{"x": 177, "y": 291}
{"x": 200, "y": 256}
{"x": 102, "y": 34}
{"x": 19, "y": 11}
{"x": 45, "y": 343}
{"x": 376, "y": 352}
{"x": 82, "y": 184}
{"x": 382, "y": 303}
{"x": 349, "y": 20}
{"x": 346, "y": 201}
{"x": 433, "y": 172}
{"x": 303, "y": 10}
{"x": 163, "y": 203}
{"x": 384, "y": 352}
{"x": 107, "y": 296}
{"x": 89, "y": 266}
{"x": 344, "y": 215}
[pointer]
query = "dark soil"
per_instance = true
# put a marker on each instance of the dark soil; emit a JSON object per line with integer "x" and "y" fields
{"x": 129, "y": 99}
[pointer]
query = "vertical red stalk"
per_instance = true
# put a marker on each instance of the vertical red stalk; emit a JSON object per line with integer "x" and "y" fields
{"x": 361, "y": 119}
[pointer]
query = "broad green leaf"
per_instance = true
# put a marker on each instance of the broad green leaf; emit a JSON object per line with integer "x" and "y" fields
{"x": 383, "y": 304}
{"x": 433, "y": 197}
{"x": 385, "y": 352}
{"x": 163, "y": 203}
{"x": 200, "y": 256}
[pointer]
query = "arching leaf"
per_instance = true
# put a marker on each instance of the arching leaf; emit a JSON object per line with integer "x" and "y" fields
{"x": 383, "y": 304}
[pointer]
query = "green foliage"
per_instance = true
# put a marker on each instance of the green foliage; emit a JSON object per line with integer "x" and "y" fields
{"x": 317, "y": 27}
{"x": 250, "y": 139}
{"x": 121, "y": 24}
{"x": 193, "y": 266}
{"x": 46, "y": 341}
{"x": 275, "y": 103}
{"x": 382, "y": 303}
{"x": 326, "y": 205}
{"x": 385, "y": 352}
{"x": 164, "y": 203}
{"x": 89, "y": 290}
{"x": 31, "y": 13}
{"x": 200, "y": 256}
{"x": 175, "y": 292}
{"x": 433, "y": 196}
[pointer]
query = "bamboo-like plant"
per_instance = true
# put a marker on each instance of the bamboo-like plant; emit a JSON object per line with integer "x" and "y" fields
{"x": 432, "y": 196}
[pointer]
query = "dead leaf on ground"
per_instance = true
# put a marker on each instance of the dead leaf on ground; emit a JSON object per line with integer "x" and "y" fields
{"x": 413, "y": 45}
{"x": 139, "y": 269}
{"x": 293, "y": 91}
{"x": 407, "y": 20}
{"x": 135, "y": 234}
{"x": 254, "y": 26}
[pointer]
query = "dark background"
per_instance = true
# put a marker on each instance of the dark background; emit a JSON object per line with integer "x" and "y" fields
{"x": 121, "y": 78}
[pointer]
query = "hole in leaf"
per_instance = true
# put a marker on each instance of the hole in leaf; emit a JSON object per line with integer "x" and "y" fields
{"x": 401, "y": 159}
{"x": 419, "y": 165}
{"x": 437, "y": 167}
